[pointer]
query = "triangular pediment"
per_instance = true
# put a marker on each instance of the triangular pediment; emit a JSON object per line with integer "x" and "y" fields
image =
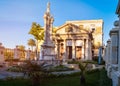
{"x": 70, "y": 28}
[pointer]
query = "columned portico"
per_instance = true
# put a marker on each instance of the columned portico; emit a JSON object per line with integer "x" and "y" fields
{"x": 64, "y": 50}
{"x": 77, "y": 41}
{"x": 73, "y": 49}
{"x": 87, "y": 50}
{"x": 83, "y": 49}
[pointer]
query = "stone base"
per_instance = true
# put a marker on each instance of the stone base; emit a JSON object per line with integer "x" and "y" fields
{"x": 109, "y": 71}
{"x": 116, "y": 78}
{"x": 49, "y": 57}
{"x": 48, "y": 52}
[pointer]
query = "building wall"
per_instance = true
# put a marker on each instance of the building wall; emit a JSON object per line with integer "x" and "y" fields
{"x": 1, "y": 53}
{"x": 75, "y": 32}
{"x": 92, "y": 24}
{"x": 8, "y": 54}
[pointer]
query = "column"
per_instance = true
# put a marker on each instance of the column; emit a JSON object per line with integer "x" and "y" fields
{"x": 108, "y": 51}
{"x": 83, "y": 49}
{"x": 64, "y": 56}
{"x": 114, "y": 43}
{"x": 58, "y": 49}
{"x": 89, "y": 50}
{"x": 86, "y": 50}
{"x": 73, "y": 49}
{"x": 108, "y": 56}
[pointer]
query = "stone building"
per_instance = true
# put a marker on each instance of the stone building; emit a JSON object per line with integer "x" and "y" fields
{"x": 8, "y": 54}
{"x": 2, "y": 59}
{"x": 79, "y": 39}
{"x": 112, "y": 52}
{"x": 72, "y": 40}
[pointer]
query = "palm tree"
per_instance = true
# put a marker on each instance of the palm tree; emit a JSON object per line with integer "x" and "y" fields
{"x": 38, "y": 32}
{"x": 31, "y": 42}
{"x": 82, "y": 67}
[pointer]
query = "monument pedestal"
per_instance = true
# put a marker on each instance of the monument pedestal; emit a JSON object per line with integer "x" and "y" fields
{"x": 48, "y": 47}
{"x": 48, "y": 52}
{"x": 116, "y": 78}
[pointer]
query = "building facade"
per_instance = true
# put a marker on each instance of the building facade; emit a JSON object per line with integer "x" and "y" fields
{"x": 79, "y": 39}
{"x": 72, "y": 40}
{"x": 16, "y": 54}
{"x": 1, "y": 53}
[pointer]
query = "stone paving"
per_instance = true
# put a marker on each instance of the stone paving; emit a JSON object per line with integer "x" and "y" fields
{"x": 4, "y": 74}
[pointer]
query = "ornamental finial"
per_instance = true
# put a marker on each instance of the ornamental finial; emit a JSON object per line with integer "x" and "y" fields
{"x": 48, "y": 7}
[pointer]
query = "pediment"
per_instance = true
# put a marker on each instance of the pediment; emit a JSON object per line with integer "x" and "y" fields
{"x": 70, "y": 28}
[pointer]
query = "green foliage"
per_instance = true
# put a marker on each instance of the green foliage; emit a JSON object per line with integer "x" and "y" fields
{"x": 90, "y": 62}
{"x": 8, "y": 54}
{"x": 54, "y": 29}
{"x": 36, "y": 72}
{"x": 60, "y": 68}
{"x": 14, "y": 82}
{"x": 92, "y": 71}
{"x": 37, "y": 31}
{"x": 104, "y": 81}
{"x": 15, "y": 69}
{"x": 21, "y": 47}
{"x": 82, "y": 66}
{"x": 95, "y": 78}
{"x": 31, "y": 42}
{"x": 95, "y": 58}
{"x": 22, "y": 51}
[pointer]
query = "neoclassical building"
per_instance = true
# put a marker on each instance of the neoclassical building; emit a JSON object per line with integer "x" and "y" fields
{"x": 79, "y": 39}
{"x": 73, "y": 40}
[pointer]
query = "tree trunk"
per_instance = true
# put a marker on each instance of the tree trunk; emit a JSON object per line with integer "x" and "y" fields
{"x": 82, "y": 80}
{"x": 37, "y": 57}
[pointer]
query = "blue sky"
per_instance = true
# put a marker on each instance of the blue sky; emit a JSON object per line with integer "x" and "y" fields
{"x": 16, "y": 16}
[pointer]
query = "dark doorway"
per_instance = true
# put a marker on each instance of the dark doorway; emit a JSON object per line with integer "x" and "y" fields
{"x": 69, "y": 52}
{"x": 78, "y": 52}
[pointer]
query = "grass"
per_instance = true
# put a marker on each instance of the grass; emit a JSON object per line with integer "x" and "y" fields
{"x": 14, "y": 82}
{"x": 93, "y": 78}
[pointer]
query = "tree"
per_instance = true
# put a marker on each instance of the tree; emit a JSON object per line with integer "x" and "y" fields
{"x": 22, "y": 51}
{"x": 31, "y": 42}
{"x": 38, "y": 32}
{"x": 37, "y": 73}
{"x": 82, "y": 67}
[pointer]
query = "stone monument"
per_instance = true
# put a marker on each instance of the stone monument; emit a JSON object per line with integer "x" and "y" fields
{"x": 48, "y": 47}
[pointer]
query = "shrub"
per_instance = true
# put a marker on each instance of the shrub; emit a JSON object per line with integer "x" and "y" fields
{"x": 60, "y": 68}
{"x": 37, "y": 73}
{"x": 15, "y": 69}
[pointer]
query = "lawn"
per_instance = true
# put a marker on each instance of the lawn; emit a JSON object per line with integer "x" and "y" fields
{"x": 94, "y": 78}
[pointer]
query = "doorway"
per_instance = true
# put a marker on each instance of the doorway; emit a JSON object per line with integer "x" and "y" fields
{"x": 69, "y": 50}
{"x": 78, "y": 52}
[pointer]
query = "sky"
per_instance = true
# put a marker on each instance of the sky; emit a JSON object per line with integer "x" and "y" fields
{"x": 16, "y": 16}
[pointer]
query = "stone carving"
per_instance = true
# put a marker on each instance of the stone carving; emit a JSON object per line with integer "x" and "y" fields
{"x": 48, "y": 47}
